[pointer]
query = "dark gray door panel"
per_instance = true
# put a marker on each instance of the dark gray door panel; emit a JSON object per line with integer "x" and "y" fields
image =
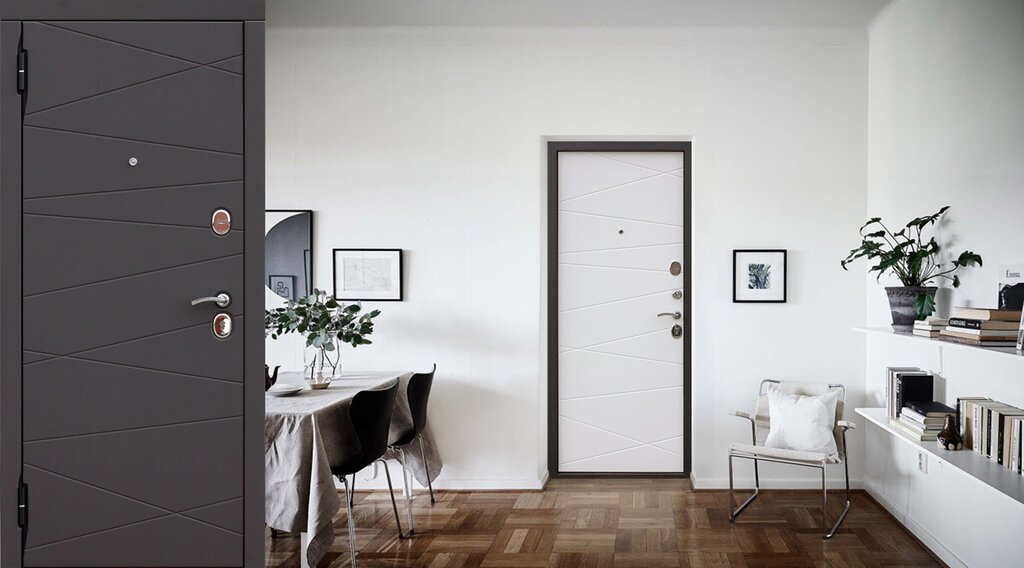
{"x": 50, "y": 491}
{"x": 190, "y": 354}
{"x": 166, "y": 541}
{"x": 61, "y": 252}
{"x": 159, "y": 398}
{"x": 132, "y": 410}
{"x": 207, "y": 41}
{"x": 190, "y": 205}
{"x": 226, "y": 515}
{"x": 124, "y": 309}
{"x": 185, "y": 466}
{"x": 68, "y": 163}
{"x": 73, "y": 66}
{"x": 193, "y": 109}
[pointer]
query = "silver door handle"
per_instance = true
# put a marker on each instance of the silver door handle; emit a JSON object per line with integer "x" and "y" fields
{"x": 222, "y": 300}
{"x": 675, "y": 315}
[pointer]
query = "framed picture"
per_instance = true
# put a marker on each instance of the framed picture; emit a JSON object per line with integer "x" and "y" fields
{"x": 283, "y": 285}
{"x": 368, "y": 274}
{"x": 759, "y": 275}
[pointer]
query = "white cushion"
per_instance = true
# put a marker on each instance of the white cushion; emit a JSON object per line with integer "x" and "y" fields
{"x": 802, "y": 423}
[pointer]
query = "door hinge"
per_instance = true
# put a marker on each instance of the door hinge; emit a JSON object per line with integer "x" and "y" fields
{"x": 22, "y": 70}
{"x": 22, "y": 505}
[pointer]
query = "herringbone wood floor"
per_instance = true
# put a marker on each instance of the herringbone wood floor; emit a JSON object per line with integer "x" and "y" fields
{"x": 621, "y": 523}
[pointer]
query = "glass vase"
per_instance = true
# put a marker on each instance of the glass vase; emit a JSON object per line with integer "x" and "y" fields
{"x": 322, "y": 364}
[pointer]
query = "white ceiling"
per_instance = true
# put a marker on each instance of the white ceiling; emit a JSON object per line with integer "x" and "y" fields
{"x": 573, "y": 13}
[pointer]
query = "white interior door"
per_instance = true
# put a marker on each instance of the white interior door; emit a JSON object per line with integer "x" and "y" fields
{"x": 620, "y": 370}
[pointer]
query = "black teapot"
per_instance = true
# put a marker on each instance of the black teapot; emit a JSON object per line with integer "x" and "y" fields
{"x": 269, "y": 379}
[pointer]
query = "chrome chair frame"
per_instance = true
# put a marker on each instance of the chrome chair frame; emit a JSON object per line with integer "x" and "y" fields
{"x": 842, "y": 425}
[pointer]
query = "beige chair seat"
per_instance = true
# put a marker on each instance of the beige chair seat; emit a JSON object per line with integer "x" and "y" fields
{"x": 810, "y": 458}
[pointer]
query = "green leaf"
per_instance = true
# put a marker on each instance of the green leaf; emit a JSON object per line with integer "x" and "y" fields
{"x": 925, "y": 304}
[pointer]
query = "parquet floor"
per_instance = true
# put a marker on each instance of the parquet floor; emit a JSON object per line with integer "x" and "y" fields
{"x": 620, "y": 523}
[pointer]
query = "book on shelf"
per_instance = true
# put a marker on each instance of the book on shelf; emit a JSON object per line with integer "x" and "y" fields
{"x": 1008, "y": 442}
{"x": 912, "y": 433}
{"x": 916, "y": 426}
{"x": 975, "y": 342}
{"x": 982, "y": 334}
{"x": 997, "y": 431}
{"x": 965, "y": 418}
{"x": 931, "y": 324}
{"x": 964, "y": 323}
{"x": 911, "y": 414}
{"x": 1015, "y": 444}
{"x": 925, "y": 333}
{"x": 930, "y": 409}
{"x": 890, "y": 381}
{"x": 987, "y": 314}
{"x": 911, "y": 387}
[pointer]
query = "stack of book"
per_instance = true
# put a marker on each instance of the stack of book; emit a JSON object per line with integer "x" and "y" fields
{"x": 905, "y": 385}
{"x": 930, "y": 326}
{"x": 982, "y": 327}
{"x": 922, "y": 420}
{"x": 992, "y": 429}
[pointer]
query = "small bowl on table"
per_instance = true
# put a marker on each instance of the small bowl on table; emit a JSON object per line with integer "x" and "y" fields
{"x": 319, "y": 383}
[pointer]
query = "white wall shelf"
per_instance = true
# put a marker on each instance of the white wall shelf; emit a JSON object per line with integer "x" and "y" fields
{"x": 995, "y": 351}
{"x": 975, "y": 465}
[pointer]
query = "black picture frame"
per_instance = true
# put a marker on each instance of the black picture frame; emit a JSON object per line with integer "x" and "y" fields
{"x": 396, "y": 295}
{"x": 735, "y": 274}
{"x": 289, "y": 278}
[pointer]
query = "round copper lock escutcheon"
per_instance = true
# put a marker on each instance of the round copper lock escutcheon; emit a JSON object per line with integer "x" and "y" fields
{"x": 222, "y": 325}
{"x": 675, "y": 268}
{"x": 221, "y": 222}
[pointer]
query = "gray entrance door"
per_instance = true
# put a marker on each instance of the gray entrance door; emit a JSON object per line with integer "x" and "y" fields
{"x": 132, "y": 406}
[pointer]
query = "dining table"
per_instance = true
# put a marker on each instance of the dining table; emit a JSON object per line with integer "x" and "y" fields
{"x": 308, "y": 432}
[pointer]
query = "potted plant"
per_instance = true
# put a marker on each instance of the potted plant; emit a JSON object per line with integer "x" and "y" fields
{"x": 325, "y": 323}
{"x": 914, "y": 261}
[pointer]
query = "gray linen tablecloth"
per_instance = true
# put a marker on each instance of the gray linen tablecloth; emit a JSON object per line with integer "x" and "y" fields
{"x": 308, "y": 432}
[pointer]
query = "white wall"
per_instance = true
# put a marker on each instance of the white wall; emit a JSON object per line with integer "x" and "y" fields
{"x": 946, "y": 127}
{"x": 432, "y": 140}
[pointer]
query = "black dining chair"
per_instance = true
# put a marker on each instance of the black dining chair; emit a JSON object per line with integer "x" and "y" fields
{"x": 370, "y": 412}
{"x": 418, "y": 392}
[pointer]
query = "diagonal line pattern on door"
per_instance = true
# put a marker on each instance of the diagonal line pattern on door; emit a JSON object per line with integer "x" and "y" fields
{"x": 634, "y": 440}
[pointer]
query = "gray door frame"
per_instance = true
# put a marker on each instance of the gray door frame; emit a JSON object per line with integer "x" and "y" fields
{"x": 251, "y": 14}
{"x": 553, "y": 148}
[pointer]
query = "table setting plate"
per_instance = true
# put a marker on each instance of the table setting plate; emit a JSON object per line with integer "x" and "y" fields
{"x": 285, "y": 390}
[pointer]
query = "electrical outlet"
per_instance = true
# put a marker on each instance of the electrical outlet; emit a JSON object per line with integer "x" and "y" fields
{"x": 922, "y": 462}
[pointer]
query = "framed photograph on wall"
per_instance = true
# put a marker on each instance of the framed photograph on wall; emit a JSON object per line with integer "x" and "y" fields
{"x": 759, "y": 276}
{"x": 283, "y": 285}
{"x": 368, "y": 274}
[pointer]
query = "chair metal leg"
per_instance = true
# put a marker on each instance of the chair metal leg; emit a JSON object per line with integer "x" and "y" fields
{"x": 408, "y": 489}
{"x": 846, "y": 509}
{"x": 394, "y": 506}
{"x": 824, "y": 503}
{"x": 352, "y": 500}
{"x": 426, "y": 469}
{"x": 351, "y": 523}
{"x": 757, "y": 490}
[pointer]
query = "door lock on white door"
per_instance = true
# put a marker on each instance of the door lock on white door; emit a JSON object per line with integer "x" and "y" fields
{"x": 674, "y": 315}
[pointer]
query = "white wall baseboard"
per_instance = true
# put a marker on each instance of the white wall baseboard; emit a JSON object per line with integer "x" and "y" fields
{"x": 914, "y": 527}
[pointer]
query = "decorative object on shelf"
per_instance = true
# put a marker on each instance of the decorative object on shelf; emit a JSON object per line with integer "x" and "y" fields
{"x": 949, "y": 438}
{"x": 288, "y": 258}
{"x": 326, "y": 324}
{"x": 759, "y": 276}
{"x": 282, "y": 285}
{"x": 368, "y": 274}
{"x": 914, "y": 261}
{"x": 269, "y": 379}
{"x": 1011, "y": 287}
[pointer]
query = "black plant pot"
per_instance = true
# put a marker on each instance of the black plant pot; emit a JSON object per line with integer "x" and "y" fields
{"x": 901, "y": 304}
